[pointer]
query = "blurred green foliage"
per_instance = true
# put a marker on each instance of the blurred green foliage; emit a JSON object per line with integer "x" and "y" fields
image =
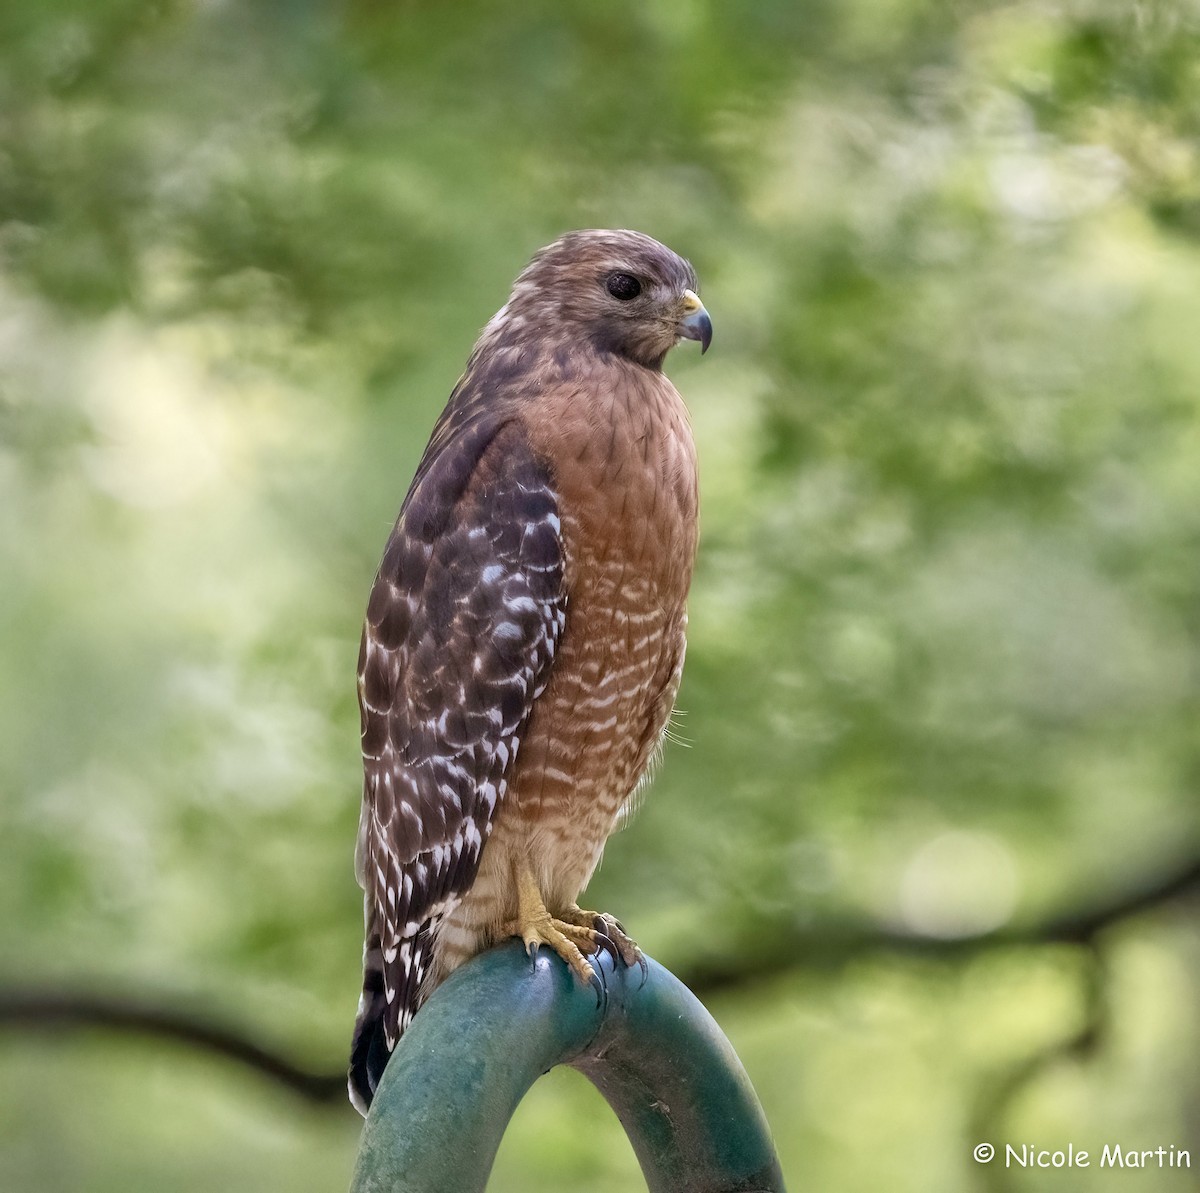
{"x": 945, "y": 654}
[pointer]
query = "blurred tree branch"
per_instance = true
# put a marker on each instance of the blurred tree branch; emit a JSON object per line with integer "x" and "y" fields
{"x": 834, "y": 945}
{"x": 837, "y": 943}
{"x": 50, "y": 1010}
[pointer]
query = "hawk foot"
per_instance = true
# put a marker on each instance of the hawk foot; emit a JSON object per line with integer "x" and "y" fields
{"x": 574, "y": 934}
{"x": 564, "y": 938}
{"x": 536, "y": 927}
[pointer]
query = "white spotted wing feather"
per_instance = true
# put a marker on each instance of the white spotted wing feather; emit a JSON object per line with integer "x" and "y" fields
{"x": 461, "y": 629}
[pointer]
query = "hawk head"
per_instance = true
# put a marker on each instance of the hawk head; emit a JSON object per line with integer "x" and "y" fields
{"x": 620, "y": 291}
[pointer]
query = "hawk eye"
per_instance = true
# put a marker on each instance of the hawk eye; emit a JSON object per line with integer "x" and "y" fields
{"x": 623, "y": 286}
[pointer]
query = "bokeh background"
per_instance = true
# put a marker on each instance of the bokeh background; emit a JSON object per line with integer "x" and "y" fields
{"x": 928, "y": 846}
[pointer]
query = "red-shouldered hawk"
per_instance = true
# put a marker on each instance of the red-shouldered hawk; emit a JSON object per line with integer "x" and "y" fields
{"x": 524, "y": 638}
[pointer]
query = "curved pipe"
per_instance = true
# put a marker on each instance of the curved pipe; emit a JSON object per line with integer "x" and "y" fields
{"x": 501, "y": 1021}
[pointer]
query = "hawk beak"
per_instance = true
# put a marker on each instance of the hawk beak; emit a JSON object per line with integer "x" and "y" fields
{"x": 695, "y": 325}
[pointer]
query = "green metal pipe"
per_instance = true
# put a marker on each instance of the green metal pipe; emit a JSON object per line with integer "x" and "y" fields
{"x": 501, "y": 1021}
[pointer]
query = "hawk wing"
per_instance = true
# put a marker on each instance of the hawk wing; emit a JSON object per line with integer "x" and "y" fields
{"x": 460, "y": 633}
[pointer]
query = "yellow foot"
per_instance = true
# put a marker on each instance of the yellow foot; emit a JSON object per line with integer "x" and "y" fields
{"x": 565, "y": 939}
{"x": 574, "y": 935}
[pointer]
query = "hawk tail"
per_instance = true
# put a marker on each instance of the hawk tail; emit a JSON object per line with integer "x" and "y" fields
{"x": 385, "y": 1008}
{"x": 369, "y": 1051}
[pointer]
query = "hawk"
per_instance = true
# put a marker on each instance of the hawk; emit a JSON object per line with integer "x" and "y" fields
{"x": 524, "y": 637}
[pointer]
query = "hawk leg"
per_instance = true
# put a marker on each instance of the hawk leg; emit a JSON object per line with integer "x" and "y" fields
{"x": 571, "y": 936}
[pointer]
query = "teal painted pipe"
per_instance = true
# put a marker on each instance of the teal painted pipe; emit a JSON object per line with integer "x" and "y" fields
{"x": 501, "y": 1021}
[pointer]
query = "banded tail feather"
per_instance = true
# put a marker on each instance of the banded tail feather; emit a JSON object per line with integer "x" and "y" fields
{"x": 383, "y": 1012}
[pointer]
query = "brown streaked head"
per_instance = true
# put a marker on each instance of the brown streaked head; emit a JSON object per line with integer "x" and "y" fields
{"x": 620, "y": 291}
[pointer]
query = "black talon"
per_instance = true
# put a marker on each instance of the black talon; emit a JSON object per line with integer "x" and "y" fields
{"x": 610, "y": 927}
{"x": 644, "y": 968}
{"x": 606, "y": 944}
